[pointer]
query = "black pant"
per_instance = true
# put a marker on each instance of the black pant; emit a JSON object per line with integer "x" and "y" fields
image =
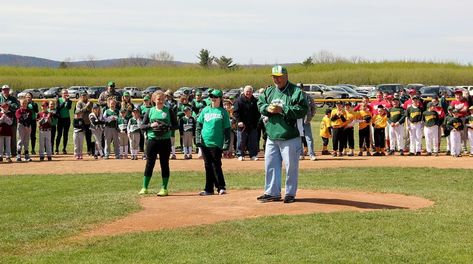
{"x": 63, "y": 126}
{"x": 142, "y": 142}
{"x": 379, "y": 138}
{"x": 88, "y": 139}
{"x": 349, "y": 138}
{"x": 325, "y": 141}
{"x": 338, "y": 139}
{"x": 33, "y": 135}
{"x": 153, "y": 148}
{"x": 53, "y": 134}
{"x": 213, "y": 169}
{"x": 364, "y": 138}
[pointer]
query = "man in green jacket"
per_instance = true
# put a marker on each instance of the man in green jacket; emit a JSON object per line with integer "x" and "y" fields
{"x": 282, "y": 104}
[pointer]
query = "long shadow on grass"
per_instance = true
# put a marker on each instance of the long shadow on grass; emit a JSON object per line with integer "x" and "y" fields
{"x": 363, "y": 205}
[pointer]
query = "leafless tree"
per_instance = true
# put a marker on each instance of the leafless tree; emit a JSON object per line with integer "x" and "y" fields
{"x": 162, "y": 57}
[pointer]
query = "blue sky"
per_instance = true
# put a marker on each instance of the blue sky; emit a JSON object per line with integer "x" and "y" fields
{"x": 263, "y": 32}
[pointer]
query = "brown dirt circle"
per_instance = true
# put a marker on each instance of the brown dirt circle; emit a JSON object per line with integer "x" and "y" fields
{"x": 190, "y": 209}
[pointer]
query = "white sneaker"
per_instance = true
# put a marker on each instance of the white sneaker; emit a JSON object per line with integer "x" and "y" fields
{"x": 241, "y": 158}
{"x": 312, "y": 158}
{"x": 222, "y": 192}
{"x": 301, "y": 157}
{"x": 254, "y": 158}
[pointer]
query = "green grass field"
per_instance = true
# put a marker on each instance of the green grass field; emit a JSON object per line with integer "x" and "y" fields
{"x": 173, "y": 77}
{"x": 40, "y": 212}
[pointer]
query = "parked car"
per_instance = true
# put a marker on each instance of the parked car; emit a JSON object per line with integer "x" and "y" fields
{"x": 390, "y": 88}
{"x": 150, "y": 90}
{"x": 233, "y": 92}
{"x": 35, "y": 92}
{"x": 365, "y": 89}
{"x": 321, "y": 91}
{"x": 134, "y": 92}
{"x": 430, "y": 91}
{"x": 351, "y": 92}
{"x": 42, "y": 91}
{"x": 53, "y": 92}
{"x": 75, "y": 91}
{"x": 415, "y": 86}
{"x": 181, "y": 91}
{"x": 95, "y": 91}
{"x": 468, "y": 87}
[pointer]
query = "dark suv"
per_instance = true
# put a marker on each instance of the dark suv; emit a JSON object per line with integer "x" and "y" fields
{"x": 390, "y": 88}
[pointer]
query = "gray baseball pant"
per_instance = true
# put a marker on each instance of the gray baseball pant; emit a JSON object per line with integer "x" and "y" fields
{"x": 5, "y": 143}
{"x": 78, "y": 143}
{"x": 23, "y": 139}
{"x": 134, "y": 143}
{"x": 111, "y": 135}
{"x": 45, "y": 143}
{"x": 97, "y": 134}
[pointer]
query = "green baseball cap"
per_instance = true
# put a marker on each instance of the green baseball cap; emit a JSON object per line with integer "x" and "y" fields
{"x": 147, "y": 97}
{"x": 126, "y": 94}
{"x": 278, "y": 70}
{"x": 111, "y": 84}
{"x": 216, "y": 93}
{"x": 198, "y": 93}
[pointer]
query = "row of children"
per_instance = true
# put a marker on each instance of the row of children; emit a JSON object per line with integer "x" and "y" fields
{"x": 375, "y": 125}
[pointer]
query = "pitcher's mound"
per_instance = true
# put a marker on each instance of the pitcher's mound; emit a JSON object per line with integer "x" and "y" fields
{"x": 190, "y": 209}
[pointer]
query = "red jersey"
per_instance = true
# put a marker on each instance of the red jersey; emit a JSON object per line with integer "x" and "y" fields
{"x": 440, "y": 112}
{"x": 44, "y": 120}
{"x": 6, "y": 121}
{"x": 409, "y": 103}
{"x": 374, "y": 106}
{"x": 461, "y": 106}
{"x": 24, "y": 116}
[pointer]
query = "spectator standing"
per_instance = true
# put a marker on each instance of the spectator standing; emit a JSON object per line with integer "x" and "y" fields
{"x": 33, "y": 106}
{"x": 245, "y": 112}
{"x": 64, "y": 105}
{"x": 110, "y": 92}
{"x": 84, "y": 105}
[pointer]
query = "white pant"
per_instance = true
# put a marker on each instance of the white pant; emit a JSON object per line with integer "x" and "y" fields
{"x": 415, "y": 137}
{"x": 45, "y": 148}
{"x": 78, "y": 143}
{"x": 431, "y": 135}
{"x": 455, "y": 142}
{"x": 396, "y": 137}
{"x": 470, "y": 138}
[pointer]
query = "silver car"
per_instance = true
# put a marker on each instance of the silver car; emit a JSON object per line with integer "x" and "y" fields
{"x": 35, "y": 92}
{"x": 75, "y": 91}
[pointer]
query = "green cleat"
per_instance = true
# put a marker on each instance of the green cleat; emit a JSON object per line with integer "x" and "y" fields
{"x": 163, "y": 192}
{"x": 143, "y": 191}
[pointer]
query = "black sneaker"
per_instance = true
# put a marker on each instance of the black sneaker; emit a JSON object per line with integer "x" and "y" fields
{"x": 289, "y": 199}
{"x": 1, "y": 159}
{"x": 268, "y": 198}
{"x": 41, "y": 158}
{"x": 50, "y": 158}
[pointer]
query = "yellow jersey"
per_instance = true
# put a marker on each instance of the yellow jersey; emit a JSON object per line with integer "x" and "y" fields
{"x": 324, "y": 127}
{"x": 338, "y": 122}
{"x": 380, "y": 121}
{"x": 363, "y": 115}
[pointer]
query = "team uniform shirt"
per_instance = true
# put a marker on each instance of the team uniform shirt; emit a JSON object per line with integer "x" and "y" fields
{"x": 44, "y": 120}
{"x": 96, "y": 122}
{"x": 34, "y": 109}
{"x": 397, "y": 115}
{"x": 440, "y": 112}
{"x": 24, "y": 116}
{"x": 134, "y": 125}
{"x": 447, "y": 129}
{"x": 64, "y": 106}
{"x": 144, "y": 109}
{"x": 431, "y": 118}
{"x": 350, "y": 117}
{"x": 187, "y": 124}
{"x": 161, "y": 115}
{"x": 122, "y": 124}
{"x": 455, "y": 123}
{"x": 366, "y": 117}
{"x": 197, "y": 106}
{"x": 180, "y": 109}
{"x": 338, "y": 118}
{"x": 380, "y": 121}
{"x": 374, "y": 106}
{"x": 111, "y": 118}
{"x": 79, "y": 125}
{"x": 54, "y": 117}
{"x": 460, "y": 106}
{"x": 283, "y": 126}
{"x": 414, "y": 114}
{"x": 469, "y": 121}
{"x": 325, "y": 127}
{"x": 13, "y": 103}
{"x": 409, "y": 103}
{"x": 6, "y": 123}
{"x": 216, "y": 120}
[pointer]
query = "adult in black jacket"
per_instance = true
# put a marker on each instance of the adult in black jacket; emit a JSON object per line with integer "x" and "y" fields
{"x": 245, "y": 111}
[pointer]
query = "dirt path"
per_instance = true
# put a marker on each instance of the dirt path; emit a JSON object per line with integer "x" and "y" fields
{"x": 65, "y": 164}
{"x": 189, "y": 209}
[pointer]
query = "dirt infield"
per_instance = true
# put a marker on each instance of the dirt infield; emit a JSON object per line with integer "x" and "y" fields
{"x": 65, "y": 164}
{"x": 189, "y": 209}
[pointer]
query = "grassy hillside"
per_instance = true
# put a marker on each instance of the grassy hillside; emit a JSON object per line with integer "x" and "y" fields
{"x": 176, "y": 76}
